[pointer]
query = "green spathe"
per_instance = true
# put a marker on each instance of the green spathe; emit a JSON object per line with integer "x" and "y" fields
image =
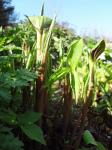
{"x": 40, "y": 22}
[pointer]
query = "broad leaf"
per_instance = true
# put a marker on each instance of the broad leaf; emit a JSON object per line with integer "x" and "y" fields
{"x": 75, "y": 53}
{"x": 88, "y": 138}
{"x": 28, "y": 118}
{"x": 34, "y": 132}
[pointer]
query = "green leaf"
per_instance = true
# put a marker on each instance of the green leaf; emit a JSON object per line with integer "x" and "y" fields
{"x": 9, "y": 142}
{"x": 75, "y": 83}
{"x": 88, "y": 138}
{"x": 75, "y": 53}
{"x": 19, "y": 78}
{"x": 34, "y": 132}
{"x": 98, "y": 50}
{"x": 11, "y": 47}
{"x": 85, "y": 85}
{"x": 5, "y": 95}
{"x": 40, "y": 22}
{"x": 8, "y": 117}
{"x": 49, "y": 34}
{"x": 4, "y": 129}
{"x": 28, "y": 118}
{"x": 100, "y": 146}
{"x": 57, "y": 75}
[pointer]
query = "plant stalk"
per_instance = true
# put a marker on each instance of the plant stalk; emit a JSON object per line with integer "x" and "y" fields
{"x": 87, "y": 104}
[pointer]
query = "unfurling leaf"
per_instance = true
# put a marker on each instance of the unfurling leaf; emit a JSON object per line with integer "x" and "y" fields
{"x": 40, "y": 22}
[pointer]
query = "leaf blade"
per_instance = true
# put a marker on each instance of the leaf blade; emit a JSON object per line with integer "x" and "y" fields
{"x": 75, "y": 53}
{"x": 34, "y": 132}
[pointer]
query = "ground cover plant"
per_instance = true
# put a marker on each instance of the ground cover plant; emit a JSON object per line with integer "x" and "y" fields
{"x": 55, "y": 88}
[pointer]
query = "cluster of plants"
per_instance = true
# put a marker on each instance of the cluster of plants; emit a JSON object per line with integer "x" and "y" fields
{"x": 52, "y": 83}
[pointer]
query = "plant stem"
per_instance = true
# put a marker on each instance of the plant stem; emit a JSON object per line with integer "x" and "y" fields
{"x": 87, "y": 104}
{"x": 67, "y": 105}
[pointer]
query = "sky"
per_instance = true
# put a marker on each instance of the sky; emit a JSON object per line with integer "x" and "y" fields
{"x": 93, "y": 17}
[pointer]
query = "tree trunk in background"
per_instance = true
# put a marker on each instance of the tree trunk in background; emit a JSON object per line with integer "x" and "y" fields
{"x": 6, "y": 13}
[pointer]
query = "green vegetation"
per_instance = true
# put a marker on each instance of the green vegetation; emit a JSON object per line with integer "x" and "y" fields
{"x": 55, "y": 88}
